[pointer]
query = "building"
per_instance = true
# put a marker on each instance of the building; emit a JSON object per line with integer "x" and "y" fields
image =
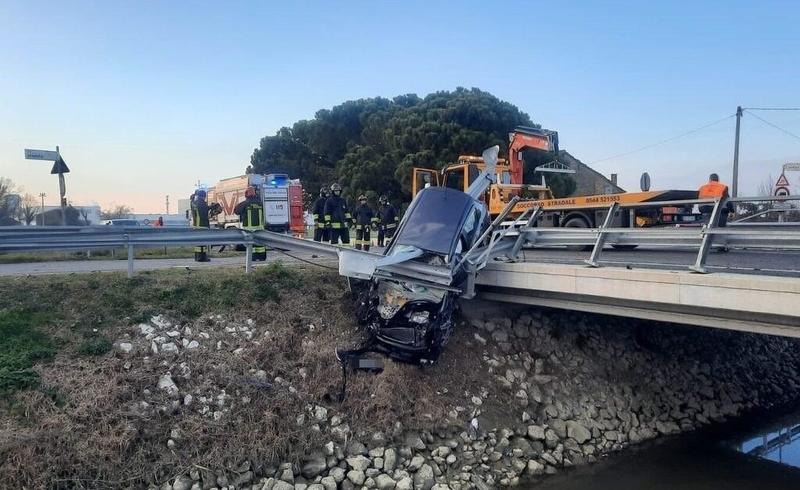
{"x": 589, "y": 181}
{"x": 76, "y": 215}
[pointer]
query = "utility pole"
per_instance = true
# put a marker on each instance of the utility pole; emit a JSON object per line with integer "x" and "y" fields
{"x": 62, "y": 190}
{"x": 167, "y": 203}
{"x": 41, "y": 212}
{"x": 735, "y": 183}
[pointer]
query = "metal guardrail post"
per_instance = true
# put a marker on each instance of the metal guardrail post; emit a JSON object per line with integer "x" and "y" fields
{"x": 705, "y": 246}
{"x": 602, "y": 233}
{"x": 521, "y": 237}
{"x": 248, "y": 257}
{"x": 130, "y": 256}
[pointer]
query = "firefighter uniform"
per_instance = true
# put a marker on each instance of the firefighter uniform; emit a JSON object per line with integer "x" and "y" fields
{"x": 251, "y": 216}
{"x": 200, "y": 220}
{"x": 337, "y": 216}
{"x": 321, "y": 233}
{"x": 365, "y": 219}
{"x": 387, "y": 222}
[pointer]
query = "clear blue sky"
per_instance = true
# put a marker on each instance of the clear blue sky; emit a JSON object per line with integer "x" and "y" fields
{"x": 145, "y": 98}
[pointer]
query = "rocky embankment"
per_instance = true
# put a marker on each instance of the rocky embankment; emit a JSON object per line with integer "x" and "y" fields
{"x": 550, "y": 390}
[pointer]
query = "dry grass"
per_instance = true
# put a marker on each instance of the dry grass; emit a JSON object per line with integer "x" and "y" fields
{"x": 79, "y": 429}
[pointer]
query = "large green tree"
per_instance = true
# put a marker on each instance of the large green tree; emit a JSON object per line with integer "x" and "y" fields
{"x": 370, "y": 145}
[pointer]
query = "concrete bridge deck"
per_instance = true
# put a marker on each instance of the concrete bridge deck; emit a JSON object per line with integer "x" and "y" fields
{"x": 746, "y": 302}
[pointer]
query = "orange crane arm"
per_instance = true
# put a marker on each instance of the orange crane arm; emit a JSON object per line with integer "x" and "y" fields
{"x": 522, "y": 139}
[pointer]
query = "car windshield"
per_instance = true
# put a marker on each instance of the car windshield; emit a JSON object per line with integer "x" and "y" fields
{"x": 434, "y": 220}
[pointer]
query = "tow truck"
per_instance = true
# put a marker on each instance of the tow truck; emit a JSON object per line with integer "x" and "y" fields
{"x": 569, "y": 212}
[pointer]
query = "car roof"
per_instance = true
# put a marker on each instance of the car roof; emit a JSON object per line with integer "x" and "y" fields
{"x": 434, "y": 219}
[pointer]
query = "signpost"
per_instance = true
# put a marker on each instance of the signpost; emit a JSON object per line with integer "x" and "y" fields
{"x": 782, "y": 186}
{"x": 60, "y": 168}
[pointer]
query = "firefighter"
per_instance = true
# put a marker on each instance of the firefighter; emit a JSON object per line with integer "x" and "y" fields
{"x": 365, "y": 220}
{"x": 251, "y": 217}
{"x": 200, "y": 220}
{"x": 321, "y": 233}
{"x": 387, "y": 220}
{"x": 714, "y": 189}
{"x": 337, "y": 216}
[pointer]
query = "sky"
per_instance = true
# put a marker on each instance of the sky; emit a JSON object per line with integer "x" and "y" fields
{"x": 146, "y": 98}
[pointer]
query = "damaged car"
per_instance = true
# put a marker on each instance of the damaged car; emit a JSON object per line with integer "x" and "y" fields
{"x": 408, "y": 302}
{"x": 412, "y": 319}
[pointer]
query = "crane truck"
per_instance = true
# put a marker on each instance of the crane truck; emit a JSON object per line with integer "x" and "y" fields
{"x": 570, "y": 212}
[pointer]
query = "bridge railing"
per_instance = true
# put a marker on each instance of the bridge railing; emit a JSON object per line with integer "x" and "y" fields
{"x": 766, "y": 236}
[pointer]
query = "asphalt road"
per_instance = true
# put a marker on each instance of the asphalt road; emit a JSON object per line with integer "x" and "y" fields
{"x": 786, "y": 263}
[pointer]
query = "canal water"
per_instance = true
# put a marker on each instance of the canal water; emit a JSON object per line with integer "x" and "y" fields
{"x": 760, "y": 453}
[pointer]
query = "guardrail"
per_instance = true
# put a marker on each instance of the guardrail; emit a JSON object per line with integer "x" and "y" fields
{"x": 524, "y": 233}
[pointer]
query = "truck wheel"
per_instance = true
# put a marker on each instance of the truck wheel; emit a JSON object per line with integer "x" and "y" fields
{"x": 577, "y": 222}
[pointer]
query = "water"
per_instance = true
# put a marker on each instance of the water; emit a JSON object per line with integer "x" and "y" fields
{"x": 732, "y": 457}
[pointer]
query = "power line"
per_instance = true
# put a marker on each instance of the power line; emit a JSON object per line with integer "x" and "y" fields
{"x": 673, "y": 138}
{"x": 771, "y": 108}
{"x": 775, "y": 126}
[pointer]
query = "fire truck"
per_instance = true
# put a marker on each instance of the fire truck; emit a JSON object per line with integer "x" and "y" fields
{"x": 282, "y": 199}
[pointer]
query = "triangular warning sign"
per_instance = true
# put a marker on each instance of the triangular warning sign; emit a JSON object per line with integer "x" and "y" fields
{"x": 59, "y": 167}
{"x": 782, "y": 181}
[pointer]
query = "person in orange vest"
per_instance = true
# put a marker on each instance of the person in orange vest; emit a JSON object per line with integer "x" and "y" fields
{"x": 714, "y": 189}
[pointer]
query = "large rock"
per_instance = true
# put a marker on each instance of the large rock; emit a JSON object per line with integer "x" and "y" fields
{"x": 416, "y": 463}
{"x": 182, "y": 483}
{"x": 424, "y": 478}
{"x": 578, "y": 432}
{"x": 359, "y": 463}
{"x": 314, "y": 465}
{"x": 536, "y": 432}
{"x": 405, "y": 483}
{"x": 329, "y": 483}
{"x": 535, "y": 468}
{"x": 384, "y": 482}
{"x": 337, "y": 474}
{"x": 356, "y": 477}
{"x": 282, "y": 485}
{"x": 389, "y": 460}
{"x": 165, "y": 383}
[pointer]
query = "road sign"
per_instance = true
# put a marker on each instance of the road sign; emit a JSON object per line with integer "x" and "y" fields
{"x": 59, "y": 167}
{"x": 782, "y": 181}
{"x": 781, "y": 192}
{"x": 791, "y": 167}
{"x": 644, "y": 182}
{"x": 41, "y": 155}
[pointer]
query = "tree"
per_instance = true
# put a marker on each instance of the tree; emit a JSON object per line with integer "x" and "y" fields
{"x": 370, "y": 145}
{"x": 9, "y": 202}
{"x": 118, "y": 211}
{"x": 28, "y": 209}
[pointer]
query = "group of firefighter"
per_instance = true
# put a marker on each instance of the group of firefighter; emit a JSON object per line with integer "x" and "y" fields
{"x": 333, "y": 219}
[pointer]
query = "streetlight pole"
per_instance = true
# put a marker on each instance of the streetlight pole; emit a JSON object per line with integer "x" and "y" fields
{"x": 735, "y": 183}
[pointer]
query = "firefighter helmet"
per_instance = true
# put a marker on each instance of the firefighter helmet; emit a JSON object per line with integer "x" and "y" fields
{"x": 200, "y": 194}
{"x": 336, "y": 189}
{"x": 250, "y": 191}
{"x": 383, "y": 199}
{"x": 362, "y": 197}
